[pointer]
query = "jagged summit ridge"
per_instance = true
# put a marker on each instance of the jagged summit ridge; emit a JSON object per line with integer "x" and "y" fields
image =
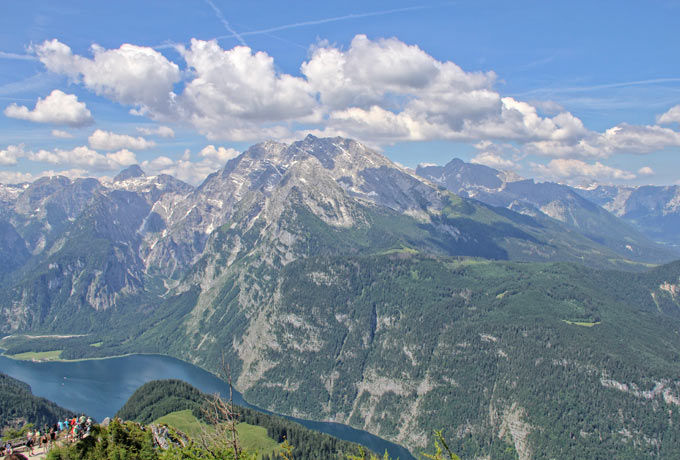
{"x": 330, "y": 175}
{"x": 560, "y": 202}
{"x": 277, "y": 203}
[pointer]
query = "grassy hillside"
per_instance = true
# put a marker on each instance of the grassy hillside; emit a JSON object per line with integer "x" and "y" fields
{"x": 179, "y": 405}
{"x": 252, "y": 438}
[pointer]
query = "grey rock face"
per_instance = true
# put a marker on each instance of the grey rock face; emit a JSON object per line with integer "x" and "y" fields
{"x": 590, "y": 213}
{"x": 654, "y": 210}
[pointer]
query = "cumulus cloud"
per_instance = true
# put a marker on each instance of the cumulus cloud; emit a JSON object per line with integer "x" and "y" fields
{"x": 496, "y": 155}
{"x": 364, "y": 74}
{"x": 85, "y": 157}
{"x": 16, "y": 177}
{"x": 106, "y": 140}
{"x": 386, "y": 90}
{"x": 192, "y": 172}
{"x": 218, "y": 155}
{"x": 381, "y": 91}
{"x": 623, "y": 138}
{"x": 160, "y": 131}
{"x": 577, "y": 171}
{"x": 61, "y": 134}
{"x": 493, "y": 160}
{"x": 10, "y": 155}
{"x": 672, "y": 116}
{"x": 235, "y": 91}
{"x": 131, "y": 75}
{"x": 646, "y": 171}
{"x": 58, "y": 108}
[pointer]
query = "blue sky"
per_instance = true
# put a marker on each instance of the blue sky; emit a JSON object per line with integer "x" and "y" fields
{"x": 576, "y": 92}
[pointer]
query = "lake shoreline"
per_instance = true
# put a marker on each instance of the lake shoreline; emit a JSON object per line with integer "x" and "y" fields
{"x": 92, "y": 386}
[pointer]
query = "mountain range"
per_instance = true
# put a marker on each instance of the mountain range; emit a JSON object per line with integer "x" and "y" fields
{"x": 521, "y": 318}
{"x": 648, "y": 211}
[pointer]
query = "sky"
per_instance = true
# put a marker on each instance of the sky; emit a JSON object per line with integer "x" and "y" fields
{"x": 577, "y": 92}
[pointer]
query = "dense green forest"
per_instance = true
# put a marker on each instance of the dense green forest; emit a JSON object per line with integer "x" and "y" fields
{"x": 160, "y": 397}
{"x": 584, "y": 362}
{"x": 19, "y": 406}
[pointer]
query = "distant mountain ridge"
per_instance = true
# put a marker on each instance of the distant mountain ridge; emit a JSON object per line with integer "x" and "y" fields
{"x": 590, "y": 212}
{"x": 654, "y": 210}
{"x": 339, "y": 285}
{"x": 74, "y": 244}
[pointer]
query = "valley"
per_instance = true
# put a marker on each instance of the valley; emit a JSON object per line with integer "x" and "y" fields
{"x": 342, "y": 287}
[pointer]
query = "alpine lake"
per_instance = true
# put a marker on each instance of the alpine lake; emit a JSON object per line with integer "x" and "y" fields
{"x": 99, "y": 387}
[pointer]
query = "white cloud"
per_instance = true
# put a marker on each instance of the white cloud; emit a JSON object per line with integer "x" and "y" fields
{"x": 496, "y": 155}
{"x": 577, "y": 171}
{"x": 10, "y": 155}
{"x": 387, "y": 91}
{"x": 364, "y": 74}
{"x": 672, "y": 116}
{"x": 646, "y": 171}
{"x": 61, "y": 134}
{"x": 123, "y": 157}
{"x": 493, "y": 160}
{"x": 380, "y": 91}
{"x": 160, "y": 131}
{"x": 158, "y": 164}
{"x": 623, "y": 138}
{"x": 58, "y": 108}
{"x": 235, "y": 92}
{"x": 380, "y": 125}
{"x": 15, "y": 177}
{"x": 183, "y": 169}
{"x": 106, "y": 140}
{"x": 192, "y": 172}
{"x": 131, "y": 75}
{"x": 219, "y": 155}
{"x": 85, "y": 157}
{"x": 637, "y": 139}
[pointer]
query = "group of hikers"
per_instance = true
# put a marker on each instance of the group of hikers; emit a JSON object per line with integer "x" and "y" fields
{"x": 68, "y": 430}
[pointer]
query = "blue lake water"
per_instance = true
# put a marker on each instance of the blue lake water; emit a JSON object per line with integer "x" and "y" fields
{"x": 100, "y": 387}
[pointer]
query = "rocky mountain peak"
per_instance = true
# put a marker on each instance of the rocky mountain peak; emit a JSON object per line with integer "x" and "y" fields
{"x": 129, "y": 173}
{"x": 457, "y": 175}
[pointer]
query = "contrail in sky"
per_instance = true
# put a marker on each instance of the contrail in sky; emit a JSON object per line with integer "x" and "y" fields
{"x": 324, "y": 21}
{"x": 623, "y": 84}
{"x": 225, "y": 23}
{"x": 23, "y": 57}
{"x": 239, "y": 36}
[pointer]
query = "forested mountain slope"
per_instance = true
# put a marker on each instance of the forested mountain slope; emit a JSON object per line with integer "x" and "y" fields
{"x": 18, "y": 406}
{"x": 340, "y": 286}
{"x": 83, "y": 246}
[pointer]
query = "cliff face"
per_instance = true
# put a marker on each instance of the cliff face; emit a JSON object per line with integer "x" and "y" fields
{"x": 654, "y": 210}
{"x": 338, "y": 285}
{"x": 611, "y": 216}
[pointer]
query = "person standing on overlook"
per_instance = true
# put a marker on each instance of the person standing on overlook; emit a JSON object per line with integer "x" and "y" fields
{"x": 30, "y": 441}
